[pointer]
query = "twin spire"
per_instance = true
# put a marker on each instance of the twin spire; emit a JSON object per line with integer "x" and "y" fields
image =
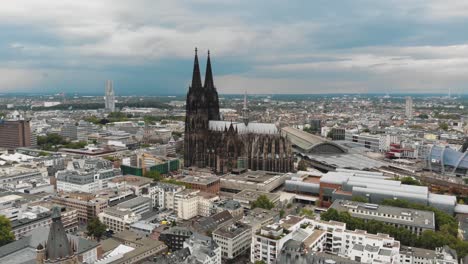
{"x": 196, "y": 77}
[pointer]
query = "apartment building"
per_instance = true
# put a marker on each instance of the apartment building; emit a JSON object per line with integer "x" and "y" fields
{"x": 175, "y": 237}
{"x": 204, "y": 248}
{"x": 321, "y": 236}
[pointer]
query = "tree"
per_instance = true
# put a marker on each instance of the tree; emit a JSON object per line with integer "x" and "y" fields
{"x": 155, "y": 175}
{"x": 444, "y": 126}
{"x": 307, "y": 212}
{"x": 263, "y": 202}
{"x": 96, "y": 228}
{"x": 259, "y": 262}
{"x": 330, "y": 134}
{"x": 282, "y": 213}
{"x": 410, "y": 181}
{"x": 360, "y": 199}
{"x": 330, "y": 214}
{"x": 6, "y": 236}
{"x": 302, "y": 165}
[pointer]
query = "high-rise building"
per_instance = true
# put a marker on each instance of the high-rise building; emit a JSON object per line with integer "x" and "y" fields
{"x": 15, "y": 134}
{"x": 110, "y": 96}
{"x": 409, "y": 107}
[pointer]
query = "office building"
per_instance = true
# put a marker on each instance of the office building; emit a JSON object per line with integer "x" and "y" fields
{"x": 233, "y": 239}
{"x": 258, "y": 217}
{"x": 110, "y": 96}
{"x": 416, "y": 221}
{"x": 15, "y": 134}
{"x": 409, "y": 107}
{"x": 209, "y": 184}
{"x": 264, "y": 181}
{"x": 118, "y": 219}
{"x": 190, "y": 203}
{"x": 247, "y": 197}
{"x": 88, "y": 205}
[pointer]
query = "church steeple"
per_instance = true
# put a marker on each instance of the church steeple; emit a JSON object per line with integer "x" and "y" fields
{"x": 209, "y": 83}
{"x": 58, "y": 247}
{"x": 196, "y": 77}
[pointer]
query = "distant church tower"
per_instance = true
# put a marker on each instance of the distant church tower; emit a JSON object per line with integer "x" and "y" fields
{"x": 202, "y": 105}
{"x": 58, "y": 249}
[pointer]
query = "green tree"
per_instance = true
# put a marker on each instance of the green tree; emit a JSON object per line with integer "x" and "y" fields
{"x": 330, "y": 134}
{"x": 423, "y": 116}
{"x": 444, "y": 126}
{"x": 259, "y": 262}
{"x": 6, "y": 236}
{"x": 307, "y": 212}
{"x": 410, "y": 181}
{"x": 360, "y": 199}
{"x": 263, "y": 202}
{"x": 282, "y": 213}
{"x": 96, "y": 228}
{"x": 330, "y": 214}
{"x": 155, "y": 175}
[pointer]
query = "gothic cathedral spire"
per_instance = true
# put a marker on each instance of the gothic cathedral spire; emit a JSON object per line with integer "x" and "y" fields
{"x": 196, "y": 77}
{"x": 209, "y": 83}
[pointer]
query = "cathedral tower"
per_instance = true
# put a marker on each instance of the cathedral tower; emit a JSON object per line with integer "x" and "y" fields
{"x": 202, "y": 105}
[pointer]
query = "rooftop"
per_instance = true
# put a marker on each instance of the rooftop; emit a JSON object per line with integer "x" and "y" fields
{"x": 250, "y": 196}
{"x": 393, "y": 214}
{"x": 134, "y": 202}
{"x": 204, "y": 180}
{"x": 255, "y": 177}
{"x": 232, "y": 231}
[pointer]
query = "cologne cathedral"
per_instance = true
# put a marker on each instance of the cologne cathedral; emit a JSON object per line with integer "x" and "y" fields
{"x": 226, "y": 146}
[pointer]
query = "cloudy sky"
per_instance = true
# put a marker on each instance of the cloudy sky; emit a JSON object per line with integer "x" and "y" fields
{"x": 272, "y": 46}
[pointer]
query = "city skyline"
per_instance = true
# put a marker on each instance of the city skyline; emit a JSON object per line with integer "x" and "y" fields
{"x": 302, "y": 48}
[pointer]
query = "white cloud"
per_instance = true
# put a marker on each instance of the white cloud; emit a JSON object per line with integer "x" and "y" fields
{"x": 97, "y": 35}
{"x": 14, "y": 80}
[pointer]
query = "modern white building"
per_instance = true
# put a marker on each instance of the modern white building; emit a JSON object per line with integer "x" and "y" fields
{"x": 84, "y": 181}
{"x": 321, "y": 236}
{"x": 118, "y": 219}
{"x": 163, "y": 194}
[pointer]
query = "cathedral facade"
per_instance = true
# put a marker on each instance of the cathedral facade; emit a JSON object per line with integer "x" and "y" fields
{"x": 224, "y": 146}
